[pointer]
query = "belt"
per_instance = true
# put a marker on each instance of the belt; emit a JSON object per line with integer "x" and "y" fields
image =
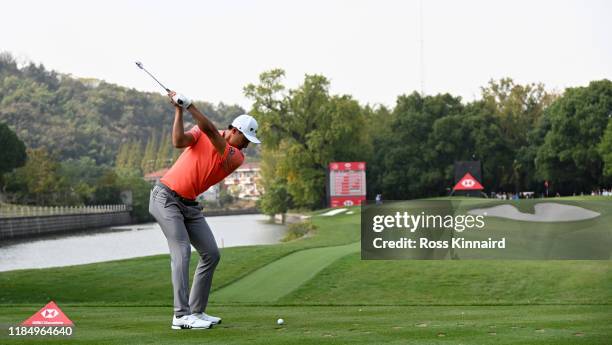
{"x": 188, "y": 202}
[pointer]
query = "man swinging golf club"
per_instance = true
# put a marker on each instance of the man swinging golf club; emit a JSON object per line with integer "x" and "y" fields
{"x": 209, "y": 156}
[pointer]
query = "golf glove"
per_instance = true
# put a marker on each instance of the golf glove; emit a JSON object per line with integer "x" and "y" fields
{"x": 181, "y": 100}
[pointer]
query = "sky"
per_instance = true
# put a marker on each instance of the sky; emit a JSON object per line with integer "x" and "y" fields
{"x": 209, "y": 50}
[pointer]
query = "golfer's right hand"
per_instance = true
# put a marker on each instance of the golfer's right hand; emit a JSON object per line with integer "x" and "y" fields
{"x": 171, "y": 95}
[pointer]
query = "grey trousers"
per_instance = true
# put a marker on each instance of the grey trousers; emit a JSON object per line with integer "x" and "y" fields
{"x": 184, "y": 225}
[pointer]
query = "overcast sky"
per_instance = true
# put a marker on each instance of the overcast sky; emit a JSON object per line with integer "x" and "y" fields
{"x": 210, "y": 50}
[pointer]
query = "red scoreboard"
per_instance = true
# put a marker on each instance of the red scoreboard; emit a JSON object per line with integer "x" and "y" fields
{"x": 347, "y": 183}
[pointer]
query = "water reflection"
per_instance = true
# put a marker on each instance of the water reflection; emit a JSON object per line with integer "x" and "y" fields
{"x": 128, "y": 242}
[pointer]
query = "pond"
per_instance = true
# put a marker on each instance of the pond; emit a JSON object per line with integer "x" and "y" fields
{"x": 131, "y": 241}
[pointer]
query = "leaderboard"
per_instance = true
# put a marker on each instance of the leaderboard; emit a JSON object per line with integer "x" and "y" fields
{"x": 347, "y": 183}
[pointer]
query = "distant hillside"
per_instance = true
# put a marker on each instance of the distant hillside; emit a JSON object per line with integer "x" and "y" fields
{"x": 84, "y": 117}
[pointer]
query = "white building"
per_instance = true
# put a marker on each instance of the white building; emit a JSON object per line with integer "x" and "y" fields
{"x": 244, "y": 182}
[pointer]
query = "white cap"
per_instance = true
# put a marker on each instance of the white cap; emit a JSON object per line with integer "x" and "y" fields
{"x": 248, "y": 126}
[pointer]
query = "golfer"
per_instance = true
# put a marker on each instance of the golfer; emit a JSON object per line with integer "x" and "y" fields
{"x": 209, "y": 156}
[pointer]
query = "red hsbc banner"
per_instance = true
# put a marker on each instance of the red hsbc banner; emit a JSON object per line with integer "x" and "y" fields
{"x": 347, "y": 183}
{"x": 49, "y": 315}
{"x": 359, "y": 166}
{"x": 345, "y": 201}
{"x": 468, "y": 182}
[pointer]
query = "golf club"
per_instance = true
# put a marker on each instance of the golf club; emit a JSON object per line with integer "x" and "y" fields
{"x": 139, "y": 64}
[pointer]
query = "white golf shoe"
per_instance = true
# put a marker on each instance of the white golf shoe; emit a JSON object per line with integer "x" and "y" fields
{"x": 190, "y": 322}
{"x": 205, "y": 317}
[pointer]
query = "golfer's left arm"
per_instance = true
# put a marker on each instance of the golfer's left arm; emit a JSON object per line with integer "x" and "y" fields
{"x": 208, "y": 128}
{"x": 205, "y": 125}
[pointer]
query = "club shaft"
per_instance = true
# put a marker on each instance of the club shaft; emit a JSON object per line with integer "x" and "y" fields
{"x": 162, "y": 85}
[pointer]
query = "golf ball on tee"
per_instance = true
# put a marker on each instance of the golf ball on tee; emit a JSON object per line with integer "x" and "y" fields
{"x": 280, "y": 321}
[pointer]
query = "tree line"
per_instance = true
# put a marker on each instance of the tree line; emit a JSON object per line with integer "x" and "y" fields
{"x": 155, "y": 154}
{"x": 80, "y": 117}
{"x": 76, "y": 141}
{"x": 522, "y": 134}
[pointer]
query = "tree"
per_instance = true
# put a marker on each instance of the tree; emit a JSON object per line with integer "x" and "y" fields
{"x": 271, "y": 182}
{"x": 428, "y": 136}
{"x": 518, "y": 109}
{"x": 107, "y": 189}
{"x": 83, "y": 117}
{"x": 134, "y": 155}
{"x": 225, "y": 198}
{"x": 379, "y": 120}
{"x": 148, "y": 160}
{"x": 308, "y": 128}
{"x": 164, "y": 153}
{"x": 13, "y": 150}
{"x": 131, "y": 179}
{"x": 79, "y": 180}
{"x": 605, "y": 149}
{"x": 38, "y": 180}
{"x": 121, "y": 160}
{"x": 571, "y": 153}
{"x": 488, "y": 144}
{"x": 276, "y": 199}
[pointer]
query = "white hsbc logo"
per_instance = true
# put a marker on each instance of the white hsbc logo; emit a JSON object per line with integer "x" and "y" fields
{"x": 467, "y": 183}
{"x": 49, "y": 313}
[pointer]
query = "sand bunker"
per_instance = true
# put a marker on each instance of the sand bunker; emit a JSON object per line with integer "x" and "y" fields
{"x": 334, "y": 212}
{"x": 544, "y": 212}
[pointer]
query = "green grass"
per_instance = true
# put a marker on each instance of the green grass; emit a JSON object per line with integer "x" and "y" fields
{"x": 140, "y": 281}
{"x": 275, "y": 280}
{"x": 146, "y": 281}
{"x": 336, "y": 325}
{"x": 326, "y": 294}
{"x": 473, "y": 282}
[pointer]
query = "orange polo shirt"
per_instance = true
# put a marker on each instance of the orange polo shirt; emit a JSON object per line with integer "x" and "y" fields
{"x": 201, "y": 166}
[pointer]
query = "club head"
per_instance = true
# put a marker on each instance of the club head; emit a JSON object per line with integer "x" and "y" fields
{"x": 139, "y": 64}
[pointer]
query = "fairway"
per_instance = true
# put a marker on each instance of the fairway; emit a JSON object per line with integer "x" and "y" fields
{"x": 552, "y": 325}
{"x": 326, "y": 294}
{"x": 277, "y": 279}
